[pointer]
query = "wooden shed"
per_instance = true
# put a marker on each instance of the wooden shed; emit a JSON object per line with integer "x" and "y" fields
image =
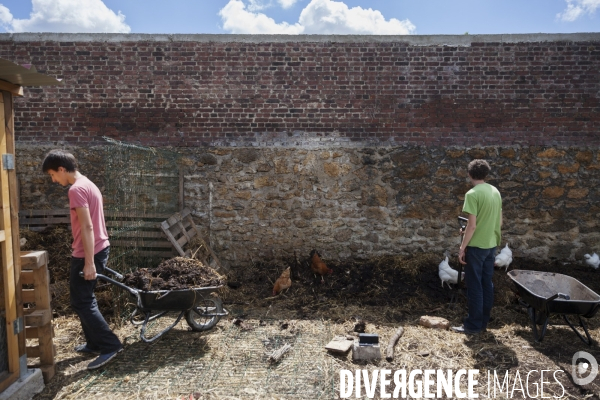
{"x": 14, "y": 330}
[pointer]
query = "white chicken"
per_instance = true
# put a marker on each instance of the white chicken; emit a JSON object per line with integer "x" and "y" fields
{"x": 448, "y": 274}
{"x": 504, "y": 258}
{"x": 593, "y": 260}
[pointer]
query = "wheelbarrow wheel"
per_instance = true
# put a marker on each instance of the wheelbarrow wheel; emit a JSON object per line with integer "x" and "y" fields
{"x": 204, "y": 315}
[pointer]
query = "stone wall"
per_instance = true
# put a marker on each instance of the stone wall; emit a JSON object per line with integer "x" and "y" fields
{"x": 266, "y": 203}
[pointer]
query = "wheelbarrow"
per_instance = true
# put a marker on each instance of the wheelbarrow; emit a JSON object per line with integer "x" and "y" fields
{"x": 201, "y": 308}
{"x": 544, "y": 293}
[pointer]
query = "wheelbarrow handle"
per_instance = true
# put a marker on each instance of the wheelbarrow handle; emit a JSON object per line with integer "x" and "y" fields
{"x": 548, "y": 301}
{"x": 462, "y": 221}
{"x": 114, "y": 282}
{"x": 115, "y": 273}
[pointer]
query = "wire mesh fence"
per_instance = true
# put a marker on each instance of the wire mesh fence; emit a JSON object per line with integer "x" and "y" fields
{"x": 229, "y": 362}
{"x": 142, "y": 188}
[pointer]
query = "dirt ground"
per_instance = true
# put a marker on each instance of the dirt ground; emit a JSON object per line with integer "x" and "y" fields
{"x": 229, "y": 361}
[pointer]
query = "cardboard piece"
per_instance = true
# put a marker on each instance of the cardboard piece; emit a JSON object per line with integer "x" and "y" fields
{"x": 339, "y": 344}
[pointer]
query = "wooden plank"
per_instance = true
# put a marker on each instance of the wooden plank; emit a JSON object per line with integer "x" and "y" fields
{"x": 180, "y": 229}
{"x": 154, "y": 254}
{"x": 215, "y": 263}
{"x": 181, "y": 188}
{"x": 32, "y": 332}
{"x": 31, "y": 260}
{"x": 15, "y": 90}
{"x": 6, "y": 256}
{"x": 46, "y": 346}
{"x": 36, "y": 351}
{"x": 112, "y": 218}
{"x": 24, "y": 221}
{"x": 37, "y": 213}
{"x": 28, "y": 295}
{"x": 158, "y": 234}
{"x": 48, "y": 372}
{"x": 2, "y": 235}
{"x": 177, "y": 231}
{"x": 128, "y": 214}
{"x": 107, "y": 214}
{"x": 124, "y": 226}
{"x": 185, "y": 213}
{"x": 174, "y": 242}
{"x": 140, "y": 244}
{"x": 38, "y": 318}
{"x": 183, "y": 231}
{"x": 42, "y": 288}
{"x": 7, "y": 379}
{"x": 26, "y": 277}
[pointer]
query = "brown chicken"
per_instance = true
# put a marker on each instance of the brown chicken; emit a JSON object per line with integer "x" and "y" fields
{"x": 283, "y": 282}
{"x": 318, "y": 266}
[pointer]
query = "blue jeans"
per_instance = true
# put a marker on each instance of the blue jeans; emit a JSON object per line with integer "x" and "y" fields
{"x": 480, "y": 289}
{"x": 97, "y": 334}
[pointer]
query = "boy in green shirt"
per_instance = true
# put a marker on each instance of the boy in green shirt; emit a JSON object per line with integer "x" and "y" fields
{"x": 482, "y": 236}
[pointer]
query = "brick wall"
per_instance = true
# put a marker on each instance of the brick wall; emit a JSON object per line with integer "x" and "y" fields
{"x": 219, "y": 90}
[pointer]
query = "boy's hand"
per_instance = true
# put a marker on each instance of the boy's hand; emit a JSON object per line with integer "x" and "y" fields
{"x": 461, "y": 256}
{"x": 89, "y": 272}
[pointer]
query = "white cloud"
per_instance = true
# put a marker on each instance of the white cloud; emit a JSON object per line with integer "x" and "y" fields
{"x": 236, "y": 19}
{"x": 319, "y": 17}
{"x": 577, "y": 8}
{"x": 334, "y": 17}
{"x": 287, "y": 3}
{"x": 5, "y": 16}
{"x": 70, "y": 16}
{"x": 257, "y": 5}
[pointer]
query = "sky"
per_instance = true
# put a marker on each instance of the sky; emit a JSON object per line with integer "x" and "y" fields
{"x": 359, "y": 17}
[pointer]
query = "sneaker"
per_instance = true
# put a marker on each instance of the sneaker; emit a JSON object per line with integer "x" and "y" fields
{"x": 103, "y": 359}
{"x": 462, "y": 329}
{"x": 83, "y": 348}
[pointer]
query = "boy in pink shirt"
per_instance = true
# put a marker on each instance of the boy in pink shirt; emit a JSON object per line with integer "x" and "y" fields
{"x": 90, "y": 254}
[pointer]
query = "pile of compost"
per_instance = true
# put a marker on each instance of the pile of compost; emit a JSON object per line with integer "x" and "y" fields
{"x": 382, "y": 289}
{"x": 175, "y": 274}
{"x": 56, "y": 240}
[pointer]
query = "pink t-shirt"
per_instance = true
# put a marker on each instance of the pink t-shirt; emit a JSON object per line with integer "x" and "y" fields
{"x": 84, "y": 193}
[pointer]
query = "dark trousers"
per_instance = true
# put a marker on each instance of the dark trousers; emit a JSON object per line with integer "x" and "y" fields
{"x": 98, "y": 335}
{"x": 480, "y": 289}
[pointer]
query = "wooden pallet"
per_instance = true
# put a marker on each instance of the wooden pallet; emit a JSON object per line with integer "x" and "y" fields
{"x": 187, "y": 240}
{"x": 126, "y": 231}
{"x": 38, "y": 320}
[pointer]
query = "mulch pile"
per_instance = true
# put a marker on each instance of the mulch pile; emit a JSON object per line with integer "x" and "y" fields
{"x": 56, "y": 240}
{"x": 175, "y": 274}
{"x": 383, "y": 289}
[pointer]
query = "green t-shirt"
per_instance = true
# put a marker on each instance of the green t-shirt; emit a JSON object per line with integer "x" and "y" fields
{"x": 484, "y": 201}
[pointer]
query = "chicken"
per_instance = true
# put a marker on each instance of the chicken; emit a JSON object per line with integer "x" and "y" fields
{"x": 593, "y": 260}
{"x": 504, "y": 258}
{"x": 448, "y": 274}
{"x": 317, "y": 266}
{"x": 283, "y": 282}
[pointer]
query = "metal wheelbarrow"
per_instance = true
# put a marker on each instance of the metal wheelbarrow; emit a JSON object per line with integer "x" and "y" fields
{"x": 544, "y": 293}
{"x": 201, "y": 309}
